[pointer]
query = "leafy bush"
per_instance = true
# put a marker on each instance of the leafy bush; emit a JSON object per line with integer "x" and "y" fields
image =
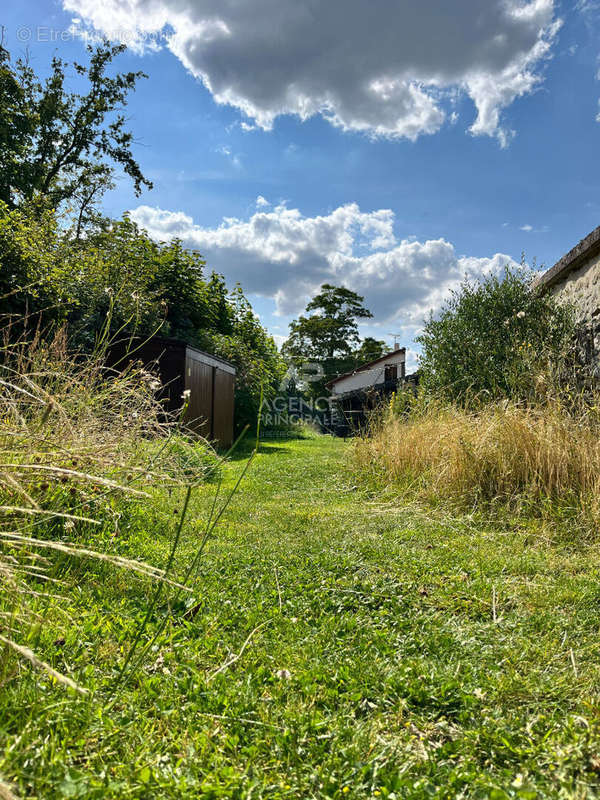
{"x": 493, "y": 338}
{"x": 29, "y": 253}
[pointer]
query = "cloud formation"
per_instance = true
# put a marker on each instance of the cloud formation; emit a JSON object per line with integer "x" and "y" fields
{"x": 384, "y": 67}
{"x": 281, "y": 254}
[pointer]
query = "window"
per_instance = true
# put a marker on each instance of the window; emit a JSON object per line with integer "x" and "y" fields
{"x": 391, "y": 373}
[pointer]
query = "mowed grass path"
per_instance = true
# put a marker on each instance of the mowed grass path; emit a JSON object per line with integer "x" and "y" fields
{"x": 391, "y": 655}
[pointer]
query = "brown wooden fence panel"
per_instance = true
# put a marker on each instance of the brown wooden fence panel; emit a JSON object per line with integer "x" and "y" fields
{"x": 223, "y": 407}
{"x": 199, "y": 381}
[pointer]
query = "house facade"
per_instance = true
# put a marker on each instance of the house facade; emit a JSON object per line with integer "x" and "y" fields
{"x": 357, "y": 392}
{"x": 575, "y": 278}
{"x": 386, "y": 369}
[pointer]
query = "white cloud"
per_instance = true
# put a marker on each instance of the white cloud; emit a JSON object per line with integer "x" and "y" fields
{"x": 530, "y": 229}
{"x": 389, "y": 69}
{"x": 412, "y": 360}
{"x": 232, "y": 157}
{"x": 286, "y": 256}
{"x": 279, "y": 339}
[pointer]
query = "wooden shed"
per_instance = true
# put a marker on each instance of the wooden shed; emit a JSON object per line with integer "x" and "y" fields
{"x": 209, "y": 379}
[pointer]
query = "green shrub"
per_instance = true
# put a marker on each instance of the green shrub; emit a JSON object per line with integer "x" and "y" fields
{"x": 494, "y": 338}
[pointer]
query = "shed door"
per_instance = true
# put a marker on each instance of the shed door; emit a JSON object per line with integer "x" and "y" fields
{"x": 223, "y": 407}
{"x": 199, "y": 380}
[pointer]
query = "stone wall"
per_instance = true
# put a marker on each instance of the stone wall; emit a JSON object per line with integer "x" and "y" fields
{"x": 581, "y": 288}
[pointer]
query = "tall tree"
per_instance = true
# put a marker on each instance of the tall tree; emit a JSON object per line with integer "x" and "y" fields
{"x": 61, "y": 145}
{"x": 327, "y": 336}
{"x": 331, "y": 330}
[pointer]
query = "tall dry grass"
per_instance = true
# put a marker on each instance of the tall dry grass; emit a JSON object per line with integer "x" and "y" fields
{"x": 504, "y": 452}
{"x": 79, "y": 446}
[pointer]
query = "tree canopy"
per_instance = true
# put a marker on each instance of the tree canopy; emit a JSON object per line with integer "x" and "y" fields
{"x": 59, "y": 151}
{"x": 331, "y": 330}
{"x": 61, "y": 145}
{"x": 140, "y": 286}
{"x": 370, "y": 349}
{"x": 328, "y": 335}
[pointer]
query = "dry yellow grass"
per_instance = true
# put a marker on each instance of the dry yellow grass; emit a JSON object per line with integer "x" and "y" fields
{"x": 500, "y": 452}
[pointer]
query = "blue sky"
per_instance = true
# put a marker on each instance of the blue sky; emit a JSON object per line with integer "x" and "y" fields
{"x": 361, "y": 148}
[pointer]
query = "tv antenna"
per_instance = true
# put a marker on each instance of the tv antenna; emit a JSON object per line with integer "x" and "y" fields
{"x": 396, "y": 336}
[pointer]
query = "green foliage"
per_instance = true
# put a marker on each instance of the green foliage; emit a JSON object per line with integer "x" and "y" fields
{"x": 61, "y": 145}
{"x": 118, "y": 274}
{"x": 370, "y": 349}
{"x": 147, "y": 285}
{"x": 493, "y": 338}
{"x": 328, "y": 335}
{"x": 247, "y": 345}
{"x": 30, "y": 250}
{"x": 331, "y": 330}
{"x": 59, "y": 150}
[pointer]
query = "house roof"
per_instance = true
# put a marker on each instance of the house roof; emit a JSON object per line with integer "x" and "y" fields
{"x": 367, "y": 366}
{"x": 574, "y": 258}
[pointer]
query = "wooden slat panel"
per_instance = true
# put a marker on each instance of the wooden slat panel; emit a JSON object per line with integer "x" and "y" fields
{"x": 211, "y": 381}
{"x": 199, "y": 380}
{"x": 224, "y": 407}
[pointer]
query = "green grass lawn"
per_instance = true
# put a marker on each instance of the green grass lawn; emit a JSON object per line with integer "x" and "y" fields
{"x": 390, "y": 654}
